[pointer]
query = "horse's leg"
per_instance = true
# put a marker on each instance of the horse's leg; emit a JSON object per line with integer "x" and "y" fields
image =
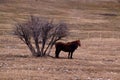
{"x": 57, "y": 53}
{"x": 68, "y": 55}
{"x": 71, "y": 55}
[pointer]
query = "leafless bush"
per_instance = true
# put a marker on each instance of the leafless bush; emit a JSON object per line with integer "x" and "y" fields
{"x": 44, "y": 33}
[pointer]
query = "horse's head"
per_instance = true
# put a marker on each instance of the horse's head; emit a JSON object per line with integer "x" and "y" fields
{"x": 78, "y": 42}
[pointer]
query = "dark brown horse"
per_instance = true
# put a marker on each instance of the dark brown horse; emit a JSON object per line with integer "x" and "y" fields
{"x": 66, "y": 47}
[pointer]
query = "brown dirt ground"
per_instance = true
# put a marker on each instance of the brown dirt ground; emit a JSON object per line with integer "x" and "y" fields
{"x": 96, "y": 59}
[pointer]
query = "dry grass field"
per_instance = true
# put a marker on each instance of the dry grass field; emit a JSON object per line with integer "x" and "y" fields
{"x": 95, "y": 22}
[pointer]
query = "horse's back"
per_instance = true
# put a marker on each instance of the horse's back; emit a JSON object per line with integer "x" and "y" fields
{"x": 59, "y": 44}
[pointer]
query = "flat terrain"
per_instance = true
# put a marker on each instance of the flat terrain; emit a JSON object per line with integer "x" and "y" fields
{"x": 95, "y": 22}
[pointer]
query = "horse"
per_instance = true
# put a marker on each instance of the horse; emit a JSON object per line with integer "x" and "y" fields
{"x": 69, "y": 47}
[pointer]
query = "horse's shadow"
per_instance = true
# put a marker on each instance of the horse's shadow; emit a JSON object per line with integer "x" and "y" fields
{"x": 60, "y": 57}
{"x": 12, "y": 57}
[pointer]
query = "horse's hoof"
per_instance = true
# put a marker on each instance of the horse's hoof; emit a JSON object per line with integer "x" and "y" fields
{"x": 56, "y": 57}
